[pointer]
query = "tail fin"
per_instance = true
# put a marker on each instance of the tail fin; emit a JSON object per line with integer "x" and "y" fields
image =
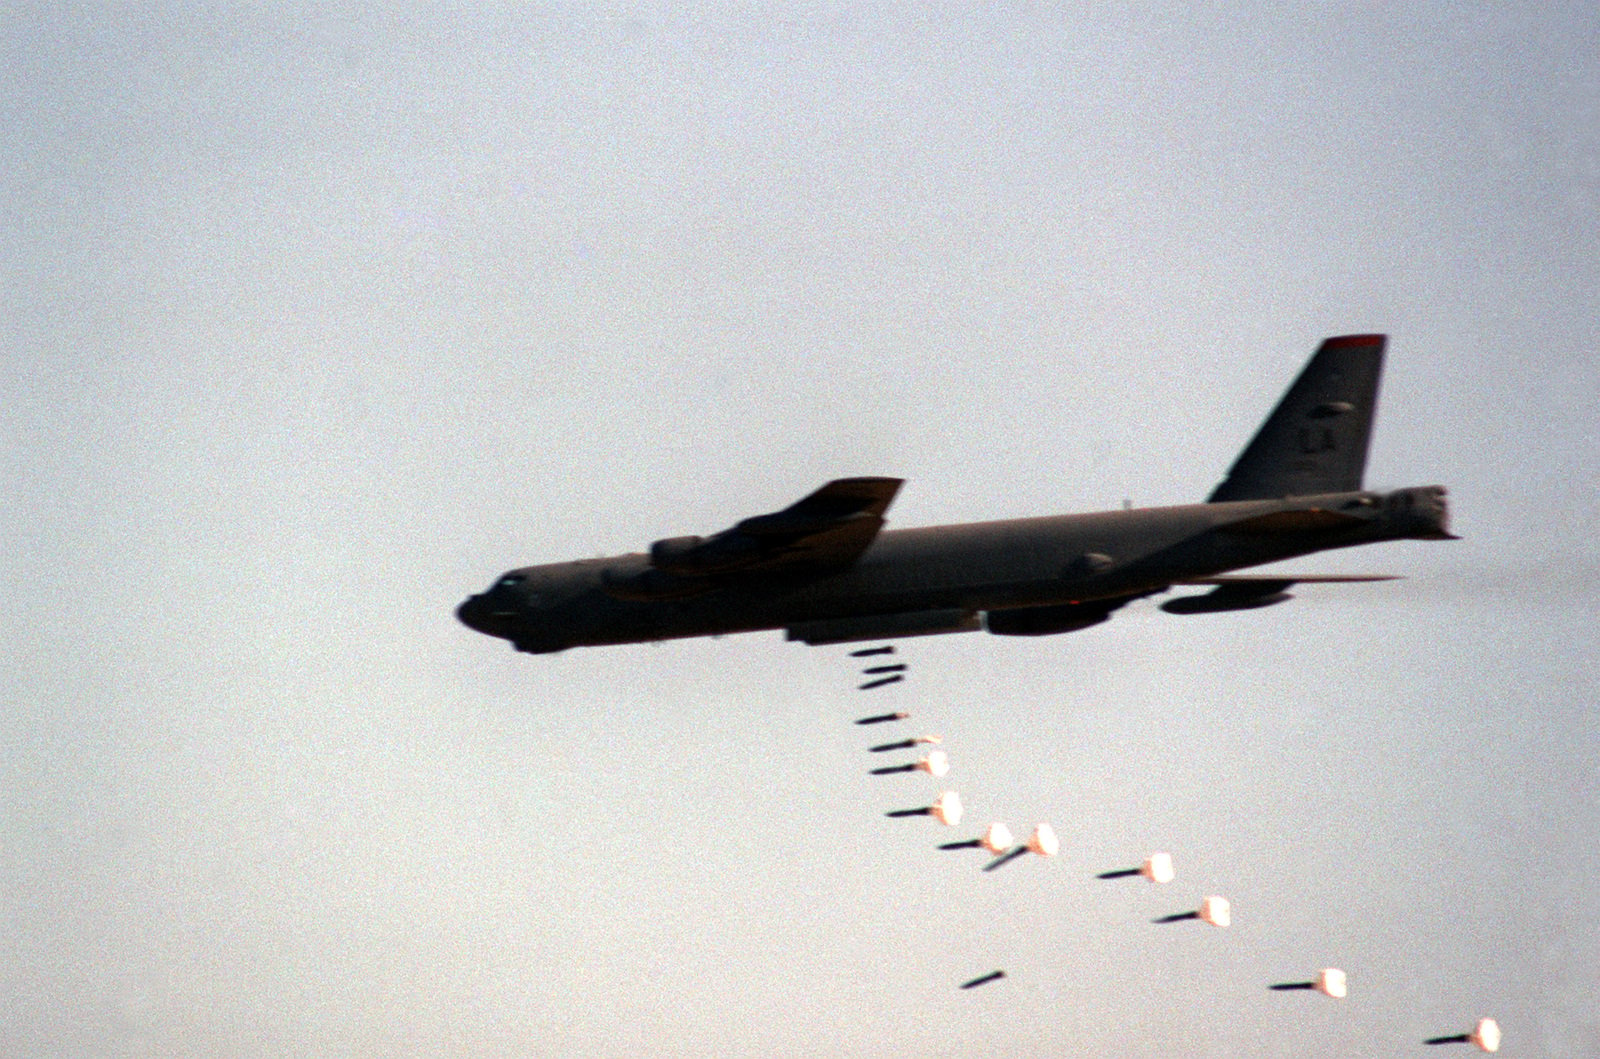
{"x": 1315, "y": 441}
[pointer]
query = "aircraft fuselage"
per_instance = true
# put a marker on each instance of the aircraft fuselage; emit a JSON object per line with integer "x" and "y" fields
{"x": 1026, "y": 576}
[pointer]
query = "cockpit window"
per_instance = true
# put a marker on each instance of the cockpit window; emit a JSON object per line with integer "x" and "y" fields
{"x": 510, "y": 579}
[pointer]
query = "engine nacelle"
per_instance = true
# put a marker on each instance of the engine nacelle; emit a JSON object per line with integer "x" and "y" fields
{"x": 699, "y": 556}
{"x": 1047, "y": 621}
{"x": 673, "y": 551}
{"x": 1219, "y": 600}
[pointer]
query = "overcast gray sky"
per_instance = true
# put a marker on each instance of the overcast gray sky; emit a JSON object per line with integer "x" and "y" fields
{"x": 313, "y": 322}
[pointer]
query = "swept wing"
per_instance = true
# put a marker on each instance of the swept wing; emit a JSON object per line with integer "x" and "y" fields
{"x": 819, "y": 534}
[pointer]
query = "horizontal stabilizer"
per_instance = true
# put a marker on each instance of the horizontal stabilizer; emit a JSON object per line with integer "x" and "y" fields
{"x": 1310, "y": 520}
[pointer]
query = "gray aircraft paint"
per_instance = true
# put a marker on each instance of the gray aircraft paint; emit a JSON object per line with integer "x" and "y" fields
{"x": 821, "y": 570}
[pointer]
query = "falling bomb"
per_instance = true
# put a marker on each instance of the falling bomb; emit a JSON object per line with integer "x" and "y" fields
{"x": 936, "y": 764}
{"x": 946, "y": 809}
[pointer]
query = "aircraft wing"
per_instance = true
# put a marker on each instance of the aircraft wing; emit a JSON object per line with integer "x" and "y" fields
{"x": 1285, "y": 579}
{"x": 823, "y": 532}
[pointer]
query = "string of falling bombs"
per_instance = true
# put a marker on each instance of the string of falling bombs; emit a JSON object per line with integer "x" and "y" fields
{"x": 946, "y": 808}
{"x": 997, "y": 840}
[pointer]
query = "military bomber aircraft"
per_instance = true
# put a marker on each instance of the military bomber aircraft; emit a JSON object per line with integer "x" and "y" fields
{"x": 825, "y": 571}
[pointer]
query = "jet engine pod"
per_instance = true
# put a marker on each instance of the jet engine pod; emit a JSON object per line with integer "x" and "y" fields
{"x": 674, "y": 552}
{"x": 697, "y": 556}
{"x": 1047, "y": 621}
{"x": 1247, "y": 596}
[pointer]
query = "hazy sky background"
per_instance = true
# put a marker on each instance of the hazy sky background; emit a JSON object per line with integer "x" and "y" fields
{"x": 316, "y": 321}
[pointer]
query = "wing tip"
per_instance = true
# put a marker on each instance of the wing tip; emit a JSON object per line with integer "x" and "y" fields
{"x": 1343, "y": 341}
{"x": 869, "y": 480}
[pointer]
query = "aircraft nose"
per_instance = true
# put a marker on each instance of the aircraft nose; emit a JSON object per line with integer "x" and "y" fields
{"x": 471, "y": 613}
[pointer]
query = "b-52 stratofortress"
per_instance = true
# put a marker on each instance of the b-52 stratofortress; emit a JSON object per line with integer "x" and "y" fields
{"x": 825, "y": 571}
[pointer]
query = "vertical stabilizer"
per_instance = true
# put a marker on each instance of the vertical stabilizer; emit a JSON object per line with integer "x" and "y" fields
{"x": 1315, "y": 441}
